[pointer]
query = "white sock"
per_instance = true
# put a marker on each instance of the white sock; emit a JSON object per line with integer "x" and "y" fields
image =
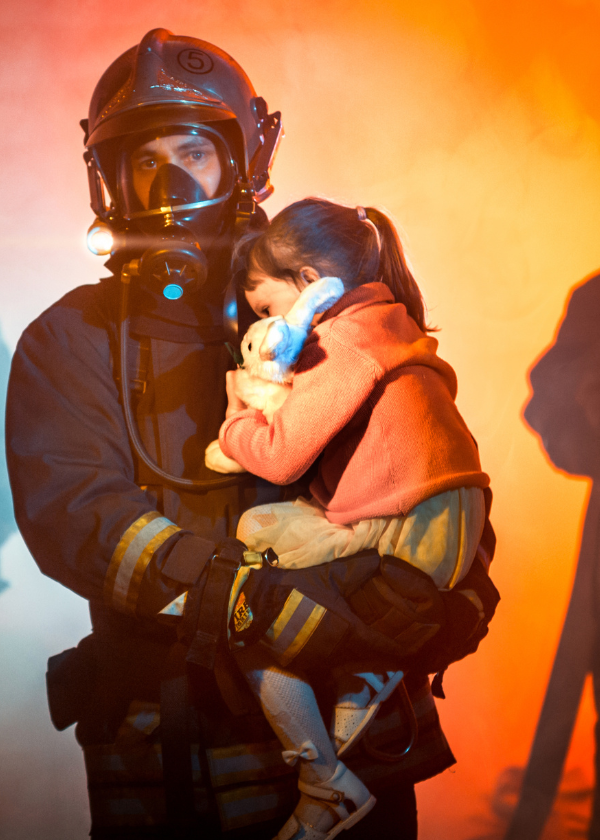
{"x": 290, "y": 706}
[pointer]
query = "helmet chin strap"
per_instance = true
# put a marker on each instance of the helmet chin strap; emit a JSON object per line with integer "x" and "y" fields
{"x": 245, "y": 209}
{"x": 258, "y": 186}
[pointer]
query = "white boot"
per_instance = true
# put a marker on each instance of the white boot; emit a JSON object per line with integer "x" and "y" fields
{"x": 351, "y": 719}
{"x": 342, "y": 798}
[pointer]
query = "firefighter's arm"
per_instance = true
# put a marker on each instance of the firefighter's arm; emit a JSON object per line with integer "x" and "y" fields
{"x": 86, "y": 522}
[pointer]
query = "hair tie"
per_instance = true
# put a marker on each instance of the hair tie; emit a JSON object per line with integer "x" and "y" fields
{"x": 362, "y": 216}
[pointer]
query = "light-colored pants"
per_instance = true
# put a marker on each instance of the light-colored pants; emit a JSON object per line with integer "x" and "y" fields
{"x": 440, "y": 536}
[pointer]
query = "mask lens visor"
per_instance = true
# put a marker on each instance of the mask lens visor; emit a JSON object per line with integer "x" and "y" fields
{"x": 200, "y": 156}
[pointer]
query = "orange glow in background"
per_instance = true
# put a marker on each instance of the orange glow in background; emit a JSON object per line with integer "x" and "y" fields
{"x": 476, "y": 125}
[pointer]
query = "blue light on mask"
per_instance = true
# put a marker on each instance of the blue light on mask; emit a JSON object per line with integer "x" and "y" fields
{"x": 173, "y": 291}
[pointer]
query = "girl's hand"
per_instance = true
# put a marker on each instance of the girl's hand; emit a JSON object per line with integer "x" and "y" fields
{"x": 234, "y": 403}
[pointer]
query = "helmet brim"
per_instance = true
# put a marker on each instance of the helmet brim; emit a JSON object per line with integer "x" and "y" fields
{"x": 143, "y": 118}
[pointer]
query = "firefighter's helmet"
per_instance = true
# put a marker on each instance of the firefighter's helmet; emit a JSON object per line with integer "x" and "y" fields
{"x": 172, "y": 84}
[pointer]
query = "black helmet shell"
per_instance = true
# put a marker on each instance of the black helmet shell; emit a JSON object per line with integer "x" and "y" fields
{"x": 170, "y": 80}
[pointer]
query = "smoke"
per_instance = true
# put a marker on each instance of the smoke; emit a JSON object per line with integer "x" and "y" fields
{"x": 475, "y": 124}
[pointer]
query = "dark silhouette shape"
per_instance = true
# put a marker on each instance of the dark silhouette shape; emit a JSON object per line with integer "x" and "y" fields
{"x": 564, "y": 410}
{"x": 7, "y": 521}
{"x": 569, "y": 816}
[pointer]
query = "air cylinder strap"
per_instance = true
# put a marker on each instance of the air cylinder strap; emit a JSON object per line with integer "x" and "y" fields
{"x": 176, "y": 756}
{"x": 211, "y": 624}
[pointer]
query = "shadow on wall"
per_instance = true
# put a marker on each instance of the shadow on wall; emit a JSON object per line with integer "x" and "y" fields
{"x": 564, "y": 411}
{"x": 569, "y": 816}
{"x": 7, "y": 522}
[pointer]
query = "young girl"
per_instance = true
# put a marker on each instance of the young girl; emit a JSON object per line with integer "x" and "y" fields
{"x": 398, "y": 469}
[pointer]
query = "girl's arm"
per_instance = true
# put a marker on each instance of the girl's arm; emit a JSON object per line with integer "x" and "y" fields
{"x": 330, "y": 384}
{"x": 234, "y": 403}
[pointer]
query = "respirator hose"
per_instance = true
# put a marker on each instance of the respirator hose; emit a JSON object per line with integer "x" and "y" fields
{"x": 136, "y": 442}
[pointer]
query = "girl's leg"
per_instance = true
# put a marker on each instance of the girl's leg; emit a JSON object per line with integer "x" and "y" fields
{"x": 290, "y": 706}
{"x": 255, "y": 519}
{"x": 302, "y": 536}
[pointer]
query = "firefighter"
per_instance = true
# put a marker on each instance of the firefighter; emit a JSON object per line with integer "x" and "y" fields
{"x": 115, "y": 392}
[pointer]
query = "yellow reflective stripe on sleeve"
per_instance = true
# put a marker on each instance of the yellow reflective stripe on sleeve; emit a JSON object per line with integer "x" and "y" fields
{"x": 293, "y": 627}
{"x": 124, "y": 543}
{"x": 131, "y": 557}
{"x": 142, "y": 561}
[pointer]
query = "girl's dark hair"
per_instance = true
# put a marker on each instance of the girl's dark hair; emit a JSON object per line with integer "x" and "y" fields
{"x": 335, "y": 241}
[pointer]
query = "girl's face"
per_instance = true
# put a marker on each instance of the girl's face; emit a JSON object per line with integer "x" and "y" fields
{"x": 271, "y": 296}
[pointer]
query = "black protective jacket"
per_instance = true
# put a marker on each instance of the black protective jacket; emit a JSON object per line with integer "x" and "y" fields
{"x": 99, "y": 523}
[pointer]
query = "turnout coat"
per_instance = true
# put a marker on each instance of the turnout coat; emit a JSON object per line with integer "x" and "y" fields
{"x": 98, "y": 522}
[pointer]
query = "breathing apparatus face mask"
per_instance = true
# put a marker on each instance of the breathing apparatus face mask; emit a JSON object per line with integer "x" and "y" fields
{"x": 174, "y": 188}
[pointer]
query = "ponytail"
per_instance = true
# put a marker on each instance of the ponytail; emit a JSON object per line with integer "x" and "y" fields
{"x": 359, "y": 245}
{"x": 393, "y": 269}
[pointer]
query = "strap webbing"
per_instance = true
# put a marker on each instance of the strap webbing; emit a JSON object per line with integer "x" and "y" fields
{"x": 176, "y": 756}
{"x": 212, "y": 619}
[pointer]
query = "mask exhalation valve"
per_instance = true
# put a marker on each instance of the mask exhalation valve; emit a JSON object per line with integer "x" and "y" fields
{"x": 174, "y": 261}
{"x": 176, "y": 264}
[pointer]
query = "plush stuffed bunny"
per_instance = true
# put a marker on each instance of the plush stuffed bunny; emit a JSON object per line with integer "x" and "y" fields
{"x": 270, "y": 349}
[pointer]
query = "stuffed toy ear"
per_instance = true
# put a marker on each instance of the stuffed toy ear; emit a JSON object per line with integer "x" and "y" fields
{"x": 276, "y": 339}
{"x": 281, "y": 346}
{"x": 316, "y": 297}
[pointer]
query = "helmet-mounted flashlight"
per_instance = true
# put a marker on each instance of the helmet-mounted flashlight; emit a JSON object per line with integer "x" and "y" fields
{"x": 100, "y": 239}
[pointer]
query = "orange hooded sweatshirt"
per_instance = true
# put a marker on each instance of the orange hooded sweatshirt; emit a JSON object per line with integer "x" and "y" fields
{"x": 371, "y": 395}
